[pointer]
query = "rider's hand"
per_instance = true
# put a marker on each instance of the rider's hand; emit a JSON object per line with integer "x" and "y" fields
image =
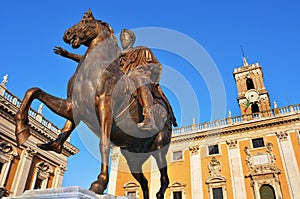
{"x": 60, "y": 51}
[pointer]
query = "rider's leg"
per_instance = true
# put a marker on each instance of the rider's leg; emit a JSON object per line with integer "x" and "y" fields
{"x": 147, "y": 101}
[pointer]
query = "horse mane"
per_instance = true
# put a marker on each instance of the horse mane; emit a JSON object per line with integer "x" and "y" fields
{"x": 111, "y": 33}
{"x": 107, "y": 27}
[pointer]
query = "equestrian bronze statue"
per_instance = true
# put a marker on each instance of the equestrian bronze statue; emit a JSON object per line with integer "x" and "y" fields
{"x": 109, "y": 92}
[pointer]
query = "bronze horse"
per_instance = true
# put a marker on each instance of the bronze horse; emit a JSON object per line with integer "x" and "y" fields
{"x": 95, "y": 88}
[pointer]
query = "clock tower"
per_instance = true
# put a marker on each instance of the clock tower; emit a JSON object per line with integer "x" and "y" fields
{"x": 252, "y": 94}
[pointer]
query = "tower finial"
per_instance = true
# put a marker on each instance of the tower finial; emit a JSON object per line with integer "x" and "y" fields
{"x": 244, "y": 57}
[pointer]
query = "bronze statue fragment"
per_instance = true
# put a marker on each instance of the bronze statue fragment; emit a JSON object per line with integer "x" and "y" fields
{"x": 100, "y": 86}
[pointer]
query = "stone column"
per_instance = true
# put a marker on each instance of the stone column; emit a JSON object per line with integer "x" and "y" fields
{"x": 35, "y": 173}
{"x": 291, "y": 168}
{"x": 238, "y": 179}
{"x": 196, "y": 173}
{"x": 58, "y": 176}
{"x": 155, "y": 179}
{"x": 22, "y": 172}
{"x": 113, "y": 175}
{"x": 45, "y": 182}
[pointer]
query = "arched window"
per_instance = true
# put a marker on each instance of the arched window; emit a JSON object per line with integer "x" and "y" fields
{"x": 7, "y": 153}
{"x": 249, "y": 83}
{"x": 267, "y": 192}
{"x": 41, "y": 175}
{"x": 255, "y": 108}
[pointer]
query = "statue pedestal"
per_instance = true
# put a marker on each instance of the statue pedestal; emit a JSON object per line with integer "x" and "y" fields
{"x": 65, "y": 192}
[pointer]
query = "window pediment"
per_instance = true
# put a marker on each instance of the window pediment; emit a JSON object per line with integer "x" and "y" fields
{"x": 177, "y": 184}
{"x": 130, "y": 185}
{"x": 212, "y": 180}
{"x": 8, "y": 149}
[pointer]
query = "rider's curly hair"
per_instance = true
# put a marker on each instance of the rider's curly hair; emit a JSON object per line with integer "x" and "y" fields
{"x": 131, "y": 34}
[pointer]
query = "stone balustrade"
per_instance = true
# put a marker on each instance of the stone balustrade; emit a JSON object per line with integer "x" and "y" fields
{"x": 9, "y": 99}
{"x": 277, "y": 112}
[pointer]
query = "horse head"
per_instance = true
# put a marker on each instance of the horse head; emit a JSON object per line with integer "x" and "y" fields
{"x": 88, "y": 30}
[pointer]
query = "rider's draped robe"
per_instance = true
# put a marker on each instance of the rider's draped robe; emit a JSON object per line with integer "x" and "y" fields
{"x": 143, "y": 68}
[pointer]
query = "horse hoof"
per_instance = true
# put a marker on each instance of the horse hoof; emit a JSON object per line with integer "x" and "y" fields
{"x": 50, "y": 146}
{"x": 22, "y": 132}
{"x": 159, "y": 195}
{"x": 97, "y": 187}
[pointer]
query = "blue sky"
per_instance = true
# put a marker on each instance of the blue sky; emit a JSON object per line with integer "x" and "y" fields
{"x": 268, "y": 30}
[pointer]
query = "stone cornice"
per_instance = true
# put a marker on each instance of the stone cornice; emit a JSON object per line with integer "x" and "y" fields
{"x": 248, "y": 68}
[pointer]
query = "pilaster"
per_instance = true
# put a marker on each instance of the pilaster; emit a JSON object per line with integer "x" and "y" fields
{"x": 235, "y": 162}
{"x": 115, "y": 156}
{"x": 155, "y": 178}
{"x": 58, "y": 176}
{"x": 196, "y": 173}
{"x": 22, "y": 171}
{"x": 290, "y": 163}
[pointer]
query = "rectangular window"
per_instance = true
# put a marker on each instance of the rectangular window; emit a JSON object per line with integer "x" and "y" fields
{"x": 217, "y": 193}
{"x": 177, "y": 155}
{"x": 214, "y": 149}
{"x": 258, "y": 142}
{"x": 177, "y": 195}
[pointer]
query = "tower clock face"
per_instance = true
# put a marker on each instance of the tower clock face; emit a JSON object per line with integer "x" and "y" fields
{"x": 252, "y": 95}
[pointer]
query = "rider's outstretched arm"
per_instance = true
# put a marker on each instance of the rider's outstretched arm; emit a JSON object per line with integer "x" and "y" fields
{"x": 64, "y": 53}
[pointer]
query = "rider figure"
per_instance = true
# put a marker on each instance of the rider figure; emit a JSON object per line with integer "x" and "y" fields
{"x": 140, "y": 65}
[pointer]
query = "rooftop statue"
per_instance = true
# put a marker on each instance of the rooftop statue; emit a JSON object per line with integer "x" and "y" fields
{"x": 117, "y": 95}
{"x": 5, "y": 80}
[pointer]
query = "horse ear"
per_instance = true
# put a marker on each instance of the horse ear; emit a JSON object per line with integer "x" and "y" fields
{"x": 90, "y": 14}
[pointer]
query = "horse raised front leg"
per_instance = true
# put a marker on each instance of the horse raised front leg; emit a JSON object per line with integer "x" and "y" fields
{"x": 57, "y": 105}
{"x": 103, "y": 109}
{"x": 57, "y": 144}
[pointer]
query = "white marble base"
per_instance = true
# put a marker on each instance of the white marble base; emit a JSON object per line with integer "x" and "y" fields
{"x": 65, "y": 192}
